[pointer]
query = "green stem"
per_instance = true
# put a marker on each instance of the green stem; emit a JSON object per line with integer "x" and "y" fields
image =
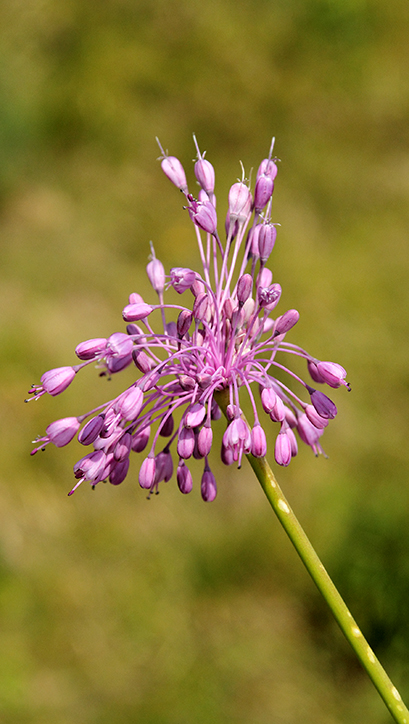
{"x": 315, "y": 568}
{"x": 348, "y": 626}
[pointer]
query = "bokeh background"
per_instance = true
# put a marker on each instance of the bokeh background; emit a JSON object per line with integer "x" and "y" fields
{"x": 172, "y": 611}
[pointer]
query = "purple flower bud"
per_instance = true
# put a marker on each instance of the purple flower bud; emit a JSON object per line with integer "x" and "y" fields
{"x": 258, "y": 441}
{"x": 266, "y": 241}
{"x": 204, "y": 440}
{"x": 307, "y": 431}
{"x": 182, "y": 279}
{"x": 91, "y": 430}
{"x": 195, "y": 415}
{"x": 216, "y": 412}
{"x": 268, "y": 297}
{"x": 142, "y": 361}
{"x": 140, "y": 439}
{"x": 332, "y": 373}
{"x": 135, "y": 312}
{"x": 313, "y": 370}
{"x": 277, "y": 412}
{"x": 208, "y": 487}
{"x": 147, "y": 472}
{"x": 173, "y": 169}
{"x": 244, "y": 287}
{"x": 284, "y": 323}
{"x": 91, "y": 466}
{"x": 200, "y": 307}
{"x": 268, "y": 399}
{"x": 164, "y": 466}
{"x": 167, "y": 427}
{"x": 119, "y": 344}
{"x": 156, "y": 274}
{"x": 184, "y": 478}
{"x": 227, "y": 455}
{"x": 118, "y": 363}
{"x": 316, "y": 419}
{"x": 239, "y": 202}
{"x": 204, "y": 173}
{"x": 91, "y": 348}
{"x": 293, "y": 441}
{"x": 186, "y": 443}
{"x": 197, "y": 287}
{"x": 231, "y": 226}
{"x": 263, "y": 192}
{"x": 254, "y": 233}
{"x": 184, "y": 321}
{"x": 135, "y": 298}
{"x": 268, "y": 168}
{"x": 123, "y": 447}
{"x": 324, "y": 406}
{"x": 282, "y": 449}
{"x": 61, "y": 432}
{"x": 130, "y": 402}
{"x": 57, "y": 380}
{"x": 119, "y": 472}
{"x": 203, "y": 214}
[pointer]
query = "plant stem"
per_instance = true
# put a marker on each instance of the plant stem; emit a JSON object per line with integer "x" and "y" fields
{"x": 305, "y": 550}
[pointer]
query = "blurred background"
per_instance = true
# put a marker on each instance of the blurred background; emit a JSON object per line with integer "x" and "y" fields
{"x": 175, "y": 611}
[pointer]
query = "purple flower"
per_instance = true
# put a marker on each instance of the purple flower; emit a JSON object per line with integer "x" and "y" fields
{"x": 222, "y": 345}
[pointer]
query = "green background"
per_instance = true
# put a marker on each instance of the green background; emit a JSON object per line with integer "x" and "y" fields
{"x": 115, "y": 609}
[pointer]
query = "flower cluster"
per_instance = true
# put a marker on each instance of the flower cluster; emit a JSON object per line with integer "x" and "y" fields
{"x": 215, "y": 348}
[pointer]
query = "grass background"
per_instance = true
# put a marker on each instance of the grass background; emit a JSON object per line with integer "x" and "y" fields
{"x": 115, "y": 609}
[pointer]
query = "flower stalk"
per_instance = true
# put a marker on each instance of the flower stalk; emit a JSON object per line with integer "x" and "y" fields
{"x": 325, "y": 585}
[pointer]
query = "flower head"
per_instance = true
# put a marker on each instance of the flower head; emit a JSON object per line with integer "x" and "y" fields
{"x": 220, "y": 345}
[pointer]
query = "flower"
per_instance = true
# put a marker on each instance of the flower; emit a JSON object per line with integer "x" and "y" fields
{"x": 221, "y": 345}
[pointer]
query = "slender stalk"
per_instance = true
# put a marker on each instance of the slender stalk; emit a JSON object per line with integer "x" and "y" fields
{"x": 319, "y": 575}
{"x": 315, "y": 568}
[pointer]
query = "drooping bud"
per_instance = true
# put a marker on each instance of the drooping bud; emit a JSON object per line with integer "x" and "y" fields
{"x": 90, "y": 348}
{"x": 140, "y": 439}
{"x": 282, "y": 449}
{"x": 167, "y": 428}
{"x": 119, "y": 472}
{"x": 61, "y": 432}
{"x": 208, "y": 487}
{"x": 142, "y": 361}
{"x": 316, "y": 419}
{"x": 195, "y": 415}
{"x": 332, "y": 373}
{"x": 258, "y": 441}
{"x": 135, "y": 298}
{"x": 164, "y": 466}
{"x": 130, "y": 402}
{"x": 200, "y": 306}
{"x": 203, "y": 214}
{"x": 204, "y": 440}
{"x": 324, "y": 406}
{"x": 186, "y": 443}
{"x": 135, "y": 312}
{"x": 147, "y": 472}
{"x": 91, "y": 430}
{"x": 123, "y": 447}
{"x": 57, "y": 380}
{"x": 184, "y": 478}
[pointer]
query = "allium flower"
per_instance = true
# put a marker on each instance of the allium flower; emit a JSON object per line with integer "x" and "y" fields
{"x": 223, "y": 344}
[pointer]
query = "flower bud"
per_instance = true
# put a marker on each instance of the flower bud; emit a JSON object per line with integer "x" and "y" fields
{"x": 123, "y": 447}
{"x": 332, "y": 373}
{"x": 61, "y": 432}
{"x": 263, "y": 192}
{"x": 266, "y": 241}
{"x": 135, "y": 312}
{"x": 119, "y": 472}
{"x": 200, "y": 307}
{"x": 184, "y": 321}
{"x": 119, "y": 344}
{"x": 147, "y": 472}
{"x": 208, "y": 487}
{"x": 156, "y": 274}
{"x": 91, "y": 348}
{"x": 195, "y": 415}
{"x": 142, "y": 361}
{"x": 184, "y": 478}
{"x": 244, "y": 287}
{"x": 204, "y": 440}
{"x": 57, "y": 380}
{"x": 135, "y": 298}
{"x": 284, "y": 323}
{"x": 239, "y": 202}
{"x": 164, "y": 466}
{"x": 173, "y": 169}
{"x": 323, "y": 405}
{"x": 91, "y": 430}
{"x": 203, "y": 214}
{"x": 204, "y": 173}
{"x": 282, "y": 449}
{"x": 140, "y": 439}
{"x": 186, "y": 443}
{"x": 130, "y": 402}
{"x": 258, "y": 441}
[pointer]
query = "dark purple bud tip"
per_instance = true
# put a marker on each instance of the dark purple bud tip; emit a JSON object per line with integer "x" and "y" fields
{"x": 323, "y": 405}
